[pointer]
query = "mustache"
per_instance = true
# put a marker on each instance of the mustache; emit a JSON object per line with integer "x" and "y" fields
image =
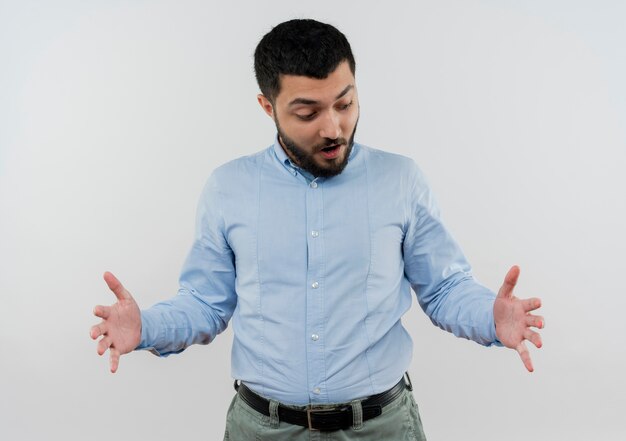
{"x": 332, "y": 142}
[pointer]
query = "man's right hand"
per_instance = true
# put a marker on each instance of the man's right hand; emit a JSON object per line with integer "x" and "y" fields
{"x": 120, "y": 327}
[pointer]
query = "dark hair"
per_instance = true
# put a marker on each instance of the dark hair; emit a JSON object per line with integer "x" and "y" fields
{"x": 299, "y": 47}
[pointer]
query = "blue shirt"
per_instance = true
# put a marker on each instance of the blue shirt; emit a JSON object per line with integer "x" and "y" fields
{"x": 316, "y": 274}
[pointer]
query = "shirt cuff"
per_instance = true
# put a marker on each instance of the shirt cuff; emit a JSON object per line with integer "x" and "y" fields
{"x": 492, "y": 331}
{"x": 149, "y": 332}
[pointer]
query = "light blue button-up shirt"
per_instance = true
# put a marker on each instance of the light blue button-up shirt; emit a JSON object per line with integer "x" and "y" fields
{"x": 316, "y": 273}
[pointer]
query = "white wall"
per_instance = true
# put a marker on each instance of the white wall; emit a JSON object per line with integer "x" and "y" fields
{"x": 113, "y": 113}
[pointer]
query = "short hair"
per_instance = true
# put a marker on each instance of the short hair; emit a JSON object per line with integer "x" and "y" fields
{"x": 299, "y": 47}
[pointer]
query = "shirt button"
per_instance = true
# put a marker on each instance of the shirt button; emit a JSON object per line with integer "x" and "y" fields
{"x": 317, "y": 391}
{"x": 313, "y": 184}
{"x": 315, "y": 285}
{"x": 315, "y": 337}
{"x": 315, "y": 233}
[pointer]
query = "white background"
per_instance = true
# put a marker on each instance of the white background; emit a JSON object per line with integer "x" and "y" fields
{"x": 113, "y": 114}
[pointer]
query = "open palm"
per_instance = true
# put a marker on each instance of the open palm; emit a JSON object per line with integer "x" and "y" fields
{"x": 513, "y": 319}
{"x": 120, "y": 327}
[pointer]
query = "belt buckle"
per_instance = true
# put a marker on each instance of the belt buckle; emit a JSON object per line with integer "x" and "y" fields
{"x": 311, "y": 409}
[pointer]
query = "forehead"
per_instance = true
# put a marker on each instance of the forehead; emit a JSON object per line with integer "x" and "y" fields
{"x": 293, "y": 87}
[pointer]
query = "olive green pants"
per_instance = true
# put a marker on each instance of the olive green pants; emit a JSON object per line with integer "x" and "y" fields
{"x": 399, "y": 421}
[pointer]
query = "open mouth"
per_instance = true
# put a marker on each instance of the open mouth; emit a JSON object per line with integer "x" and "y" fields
{"x": 330, "y": 152}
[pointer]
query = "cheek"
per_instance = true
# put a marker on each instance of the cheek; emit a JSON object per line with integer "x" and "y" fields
{"x": 351, "y": 121}
{"x": 296, "y": 132}
{"x": 306, "y": 134}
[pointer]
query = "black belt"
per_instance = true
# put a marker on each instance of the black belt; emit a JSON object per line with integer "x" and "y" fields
{"x": 325, "y": 418}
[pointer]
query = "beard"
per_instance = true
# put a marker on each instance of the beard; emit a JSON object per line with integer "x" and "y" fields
{"x": 306, "y": 160}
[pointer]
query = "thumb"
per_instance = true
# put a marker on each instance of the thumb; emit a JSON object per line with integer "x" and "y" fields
{"x": 116, "y": 286}
{"x": 510, "y": 280}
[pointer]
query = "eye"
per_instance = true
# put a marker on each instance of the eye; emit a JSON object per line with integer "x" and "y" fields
{"x": 312, "y": 115}
{"x": 346, "y": 106}
{"x": 306, "y": 117}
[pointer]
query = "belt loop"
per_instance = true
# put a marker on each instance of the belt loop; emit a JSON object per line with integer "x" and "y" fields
{"x": 274, "y": 421}
{"x": 357, "y": 415}
{"x": 408, "y": 383}
{"x": 236, "y": 385}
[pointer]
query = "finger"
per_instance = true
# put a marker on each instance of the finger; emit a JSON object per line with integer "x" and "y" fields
{"x": 510, "y": 280}
{"x": 116, "y": 286}
{"x": 104, "y": 344}
{"x": 533, "y": 337}
{"x": 102, "y": 311}
{"x": 535, "y": 321}
{"x": 531, "y": 304}
{"x": 97, "y": 330}
{"x": 522, "y": 350}
{"x": 114, "y": 359}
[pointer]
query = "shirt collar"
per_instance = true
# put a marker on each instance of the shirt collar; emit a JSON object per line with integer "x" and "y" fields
{"x": 281, "y": 155}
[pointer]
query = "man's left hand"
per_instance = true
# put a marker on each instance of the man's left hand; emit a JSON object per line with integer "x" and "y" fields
{"x": 513, "y": 319}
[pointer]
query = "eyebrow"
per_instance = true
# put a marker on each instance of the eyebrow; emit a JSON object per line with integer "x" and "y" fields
{"x": 309, "y": 102}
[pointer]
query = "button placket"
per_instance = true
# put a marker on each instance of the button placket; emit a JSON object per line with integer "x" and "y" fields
{"x": 315, "y": 293}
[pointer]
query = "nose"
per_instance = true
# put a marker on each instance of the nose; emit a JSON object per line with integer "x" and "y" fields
{"x": 330, "y": 127}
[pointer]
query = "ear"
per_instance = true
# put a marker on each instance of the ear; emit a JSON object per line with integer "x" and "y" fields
{"x": 266, "y": 105}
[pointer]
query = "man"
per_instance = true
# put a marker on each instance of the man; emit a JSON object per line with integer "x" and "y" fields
{"x": 311, "y": 246}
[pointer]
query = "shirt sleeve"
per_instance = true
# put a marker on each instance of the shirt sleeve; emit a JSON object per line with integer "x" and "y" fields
{"x": 206, "y": 298}
{"x": 440, "y": 274}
